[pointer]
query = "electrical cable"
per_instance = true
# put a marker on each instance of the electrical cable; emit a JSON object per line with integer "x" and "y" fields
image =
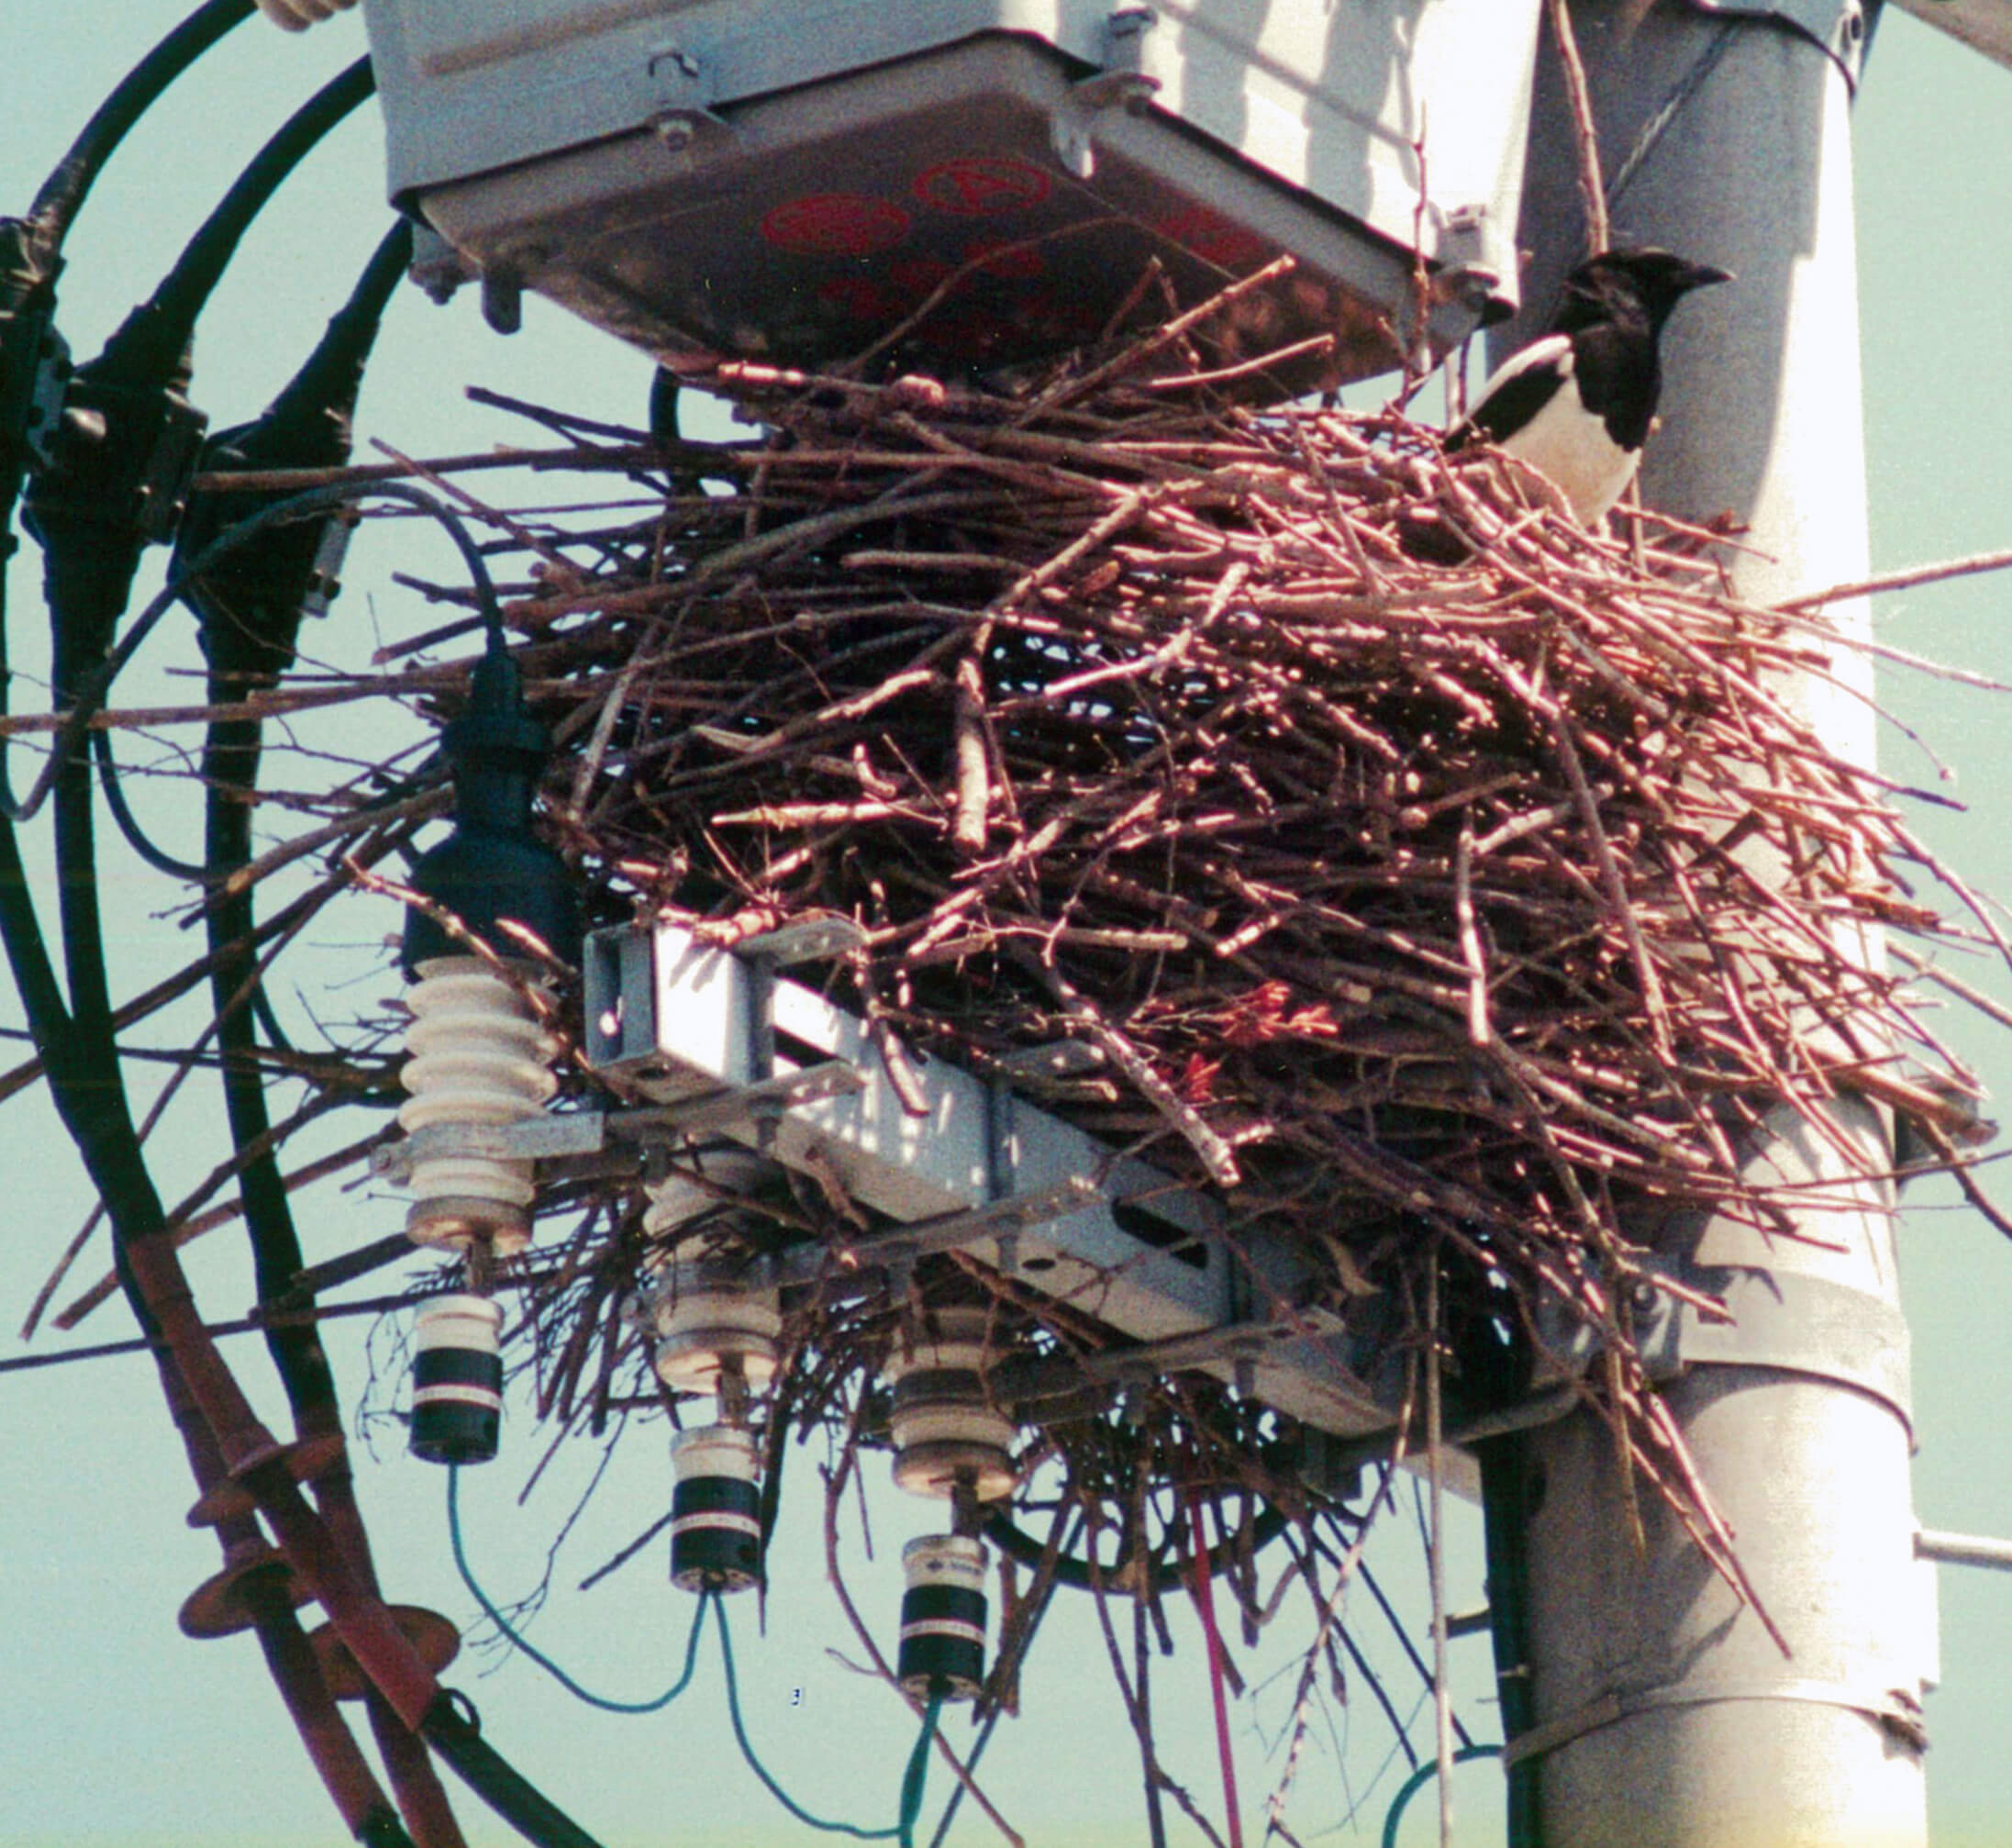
{"x": 97, "y": 685}
{"x": 1168, "y": 1575}
{"x": 915, "y": 1775}
{"x": 1508, "y": 1498}
{"x": 170, "y": 314}
{"x": 545, "y": 1661}
{"x": 249, "y": 616}
{"x": 64, "y": 192}
{"x": 96, "y": 502}
{"x": 1418, "y": 1779}
{"x": 31, "y": 247}
{"x": 1669, "y": 109}
{"x": 902, "y": 1830}
{"x": 456, "y": 1735}
{"x": 129, "y": 823}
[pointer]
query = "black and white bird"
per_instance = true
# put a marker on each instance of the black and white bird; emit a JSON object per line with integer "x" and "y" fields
{"x": 1578, "y": 402}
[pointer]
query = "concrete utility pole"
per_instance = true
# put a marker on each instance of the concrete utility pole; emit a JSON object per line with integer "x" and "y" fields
{"x": 1658, "y": 1711}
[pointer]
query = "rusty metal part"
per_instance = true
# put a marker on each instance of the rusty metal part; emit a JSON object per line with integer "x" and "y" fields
{"x": 307, "y": 1460}
{"x": 221, "y": 1605}
{"x": 434, "y": 1640}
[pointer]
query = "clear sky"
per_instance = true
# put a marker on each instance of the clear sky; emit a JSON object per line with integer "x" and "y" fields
{"x": 113, "y": 1728}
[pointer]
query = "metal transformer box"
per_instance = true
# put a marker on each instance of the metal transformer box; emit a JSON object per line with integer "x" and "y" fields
{"x": 794, "y": 179}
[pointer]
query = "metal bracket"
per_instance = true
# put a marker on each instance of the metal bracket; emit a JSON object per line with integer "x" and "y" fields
{"x": 1122, "y": 84}
{"x": 171, "y": 467}
{"x": 950, "y": 1232}
{"x": 1787, "y": 1321}
{"x": 685, "y": 81}
{"x": 1835, "y": 26}
{"x": 980, "y": 1169}
{"x": 1894, "y": 1708}
{"x": 45, "y": 395}
{"x": 1461, "y": 277}
{"x": 576, "y": 1134}
{"x": 1962, "y": 1549}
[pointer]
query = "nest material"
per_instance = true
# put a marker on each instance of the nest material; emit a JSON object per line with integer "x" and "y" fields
{"x": 1450, "y": 891}
{"x": 1499, "y": 901}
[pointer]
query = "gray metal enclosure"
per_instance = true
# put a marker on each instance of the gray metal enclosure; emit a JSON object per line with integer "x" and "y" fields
{"x": 792, "y": 178}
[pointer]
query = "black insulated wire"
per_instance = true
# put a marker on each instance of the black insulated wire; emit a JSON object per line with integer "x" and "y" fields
{"x": 452, "y": 1729}
{"x": 64, "y": 192}
{"x": 98, "y": 501}
{"x": 249, "y": 606}
{"x": 91, "y": 693}
{"x": 169, "y": 317}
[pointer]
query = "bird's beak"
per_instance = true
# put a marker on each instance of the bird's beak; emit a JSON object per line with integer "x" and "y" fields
{"x": 1702, "y": 275}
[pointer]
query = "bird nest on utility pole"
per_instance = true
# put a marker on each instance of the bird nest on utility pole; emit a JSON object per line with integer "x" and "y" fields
{"x": 1441, "y": 887}
{"x": 1468, "y": 914}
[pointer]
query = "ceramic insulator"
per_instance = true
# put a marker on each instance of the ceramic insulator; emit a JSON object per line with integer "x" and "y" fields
{"x": 946, "y": 1428}
{"x": 715, "y": 1510}
{"x": 706, "y": 1312}
{"x": 942, "y": 1616}
{"x": 479, "y": 1060}
{"x": 457, "y": 1381}
{"x": 703, "y": 1323}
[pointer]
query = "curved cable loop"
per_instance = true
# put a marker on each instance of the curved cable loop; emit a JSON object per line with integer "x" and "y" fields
{"x": 168, "y": 316}
{"x": 1418, "y": 1779}
{"x": 545, "y": 1661}
{"x": 91, "y": 698}
{"x": 902, "y": 1830}
{"x": 64, "y": 192}
{"x": 129, "y": 823}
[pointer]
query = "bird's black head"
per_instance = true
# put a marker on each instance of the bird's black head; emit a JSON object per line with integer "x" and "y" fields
{"x": 1651, "y": 281}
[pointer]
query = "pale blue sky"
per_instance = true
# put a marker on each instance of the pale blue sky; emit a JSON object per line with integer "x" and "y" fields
{"x": 115, "y": 1729}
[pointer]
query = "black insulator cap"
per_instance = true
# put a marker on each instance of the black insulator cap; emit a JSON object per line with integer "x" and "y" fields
{"x": 715, "y": 1534}
{"x": 942, "y": 1645}
{"x": 457, "y": 1404}
{"x": 492, "y": 869}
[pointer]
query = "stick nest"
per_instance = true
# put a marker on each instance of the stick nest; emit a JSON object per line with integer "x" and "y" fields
{"x": 1491, "y": 903}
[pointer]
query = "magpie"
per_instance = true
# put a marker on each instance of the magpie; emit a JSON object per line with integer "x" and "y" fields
{"x": 1578, "y": 401}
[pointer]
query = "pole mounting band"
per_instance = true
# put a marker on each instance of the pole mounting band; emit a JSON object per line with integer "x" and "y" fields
{"x": 1895, "y": 1708}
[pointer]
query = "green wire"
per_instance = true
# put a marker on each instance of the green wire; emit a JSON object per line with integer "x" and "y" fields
{"x": 912, "y": 1777}
{"x": 915, "y": 1773}
{"x": 1422, "y": 1776}
{"x": 545, "y": 1661}
{"x": 918, "y": 1770}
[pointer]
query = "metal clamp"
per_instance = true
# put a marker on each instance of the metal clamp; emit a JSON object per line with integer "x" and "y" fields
{"x": 1786, "y": 1320}
{"x": 576, "y": 1134}
{"x": 44, "y": 406}
{"x": 1122, "y": 84}
{"x": 1894, "y": 1708}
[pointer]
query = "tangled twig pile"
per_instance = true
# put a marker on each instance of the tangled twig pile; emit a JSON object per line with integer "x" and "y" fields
{"x": 1497, "y": 900}
{"x": 1452, "y": 891}
{"x": 1484, "y": 908}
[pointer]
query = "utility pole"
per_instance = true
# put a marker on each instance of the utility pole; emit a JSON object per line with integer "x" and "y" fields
{"x": 1659, "y": 1711}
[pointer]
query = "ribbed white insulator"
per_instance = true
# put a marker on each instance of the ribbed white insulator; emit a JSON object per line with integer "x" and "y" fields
{"x": 945, "y": 1428}
{"x": 479, "y": 1060}
{"x": 706, "y": 1312}
{"x": 297, "y": 16}
{"x": 707, "y": 1316}
{"x": 678, "y": 1199}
